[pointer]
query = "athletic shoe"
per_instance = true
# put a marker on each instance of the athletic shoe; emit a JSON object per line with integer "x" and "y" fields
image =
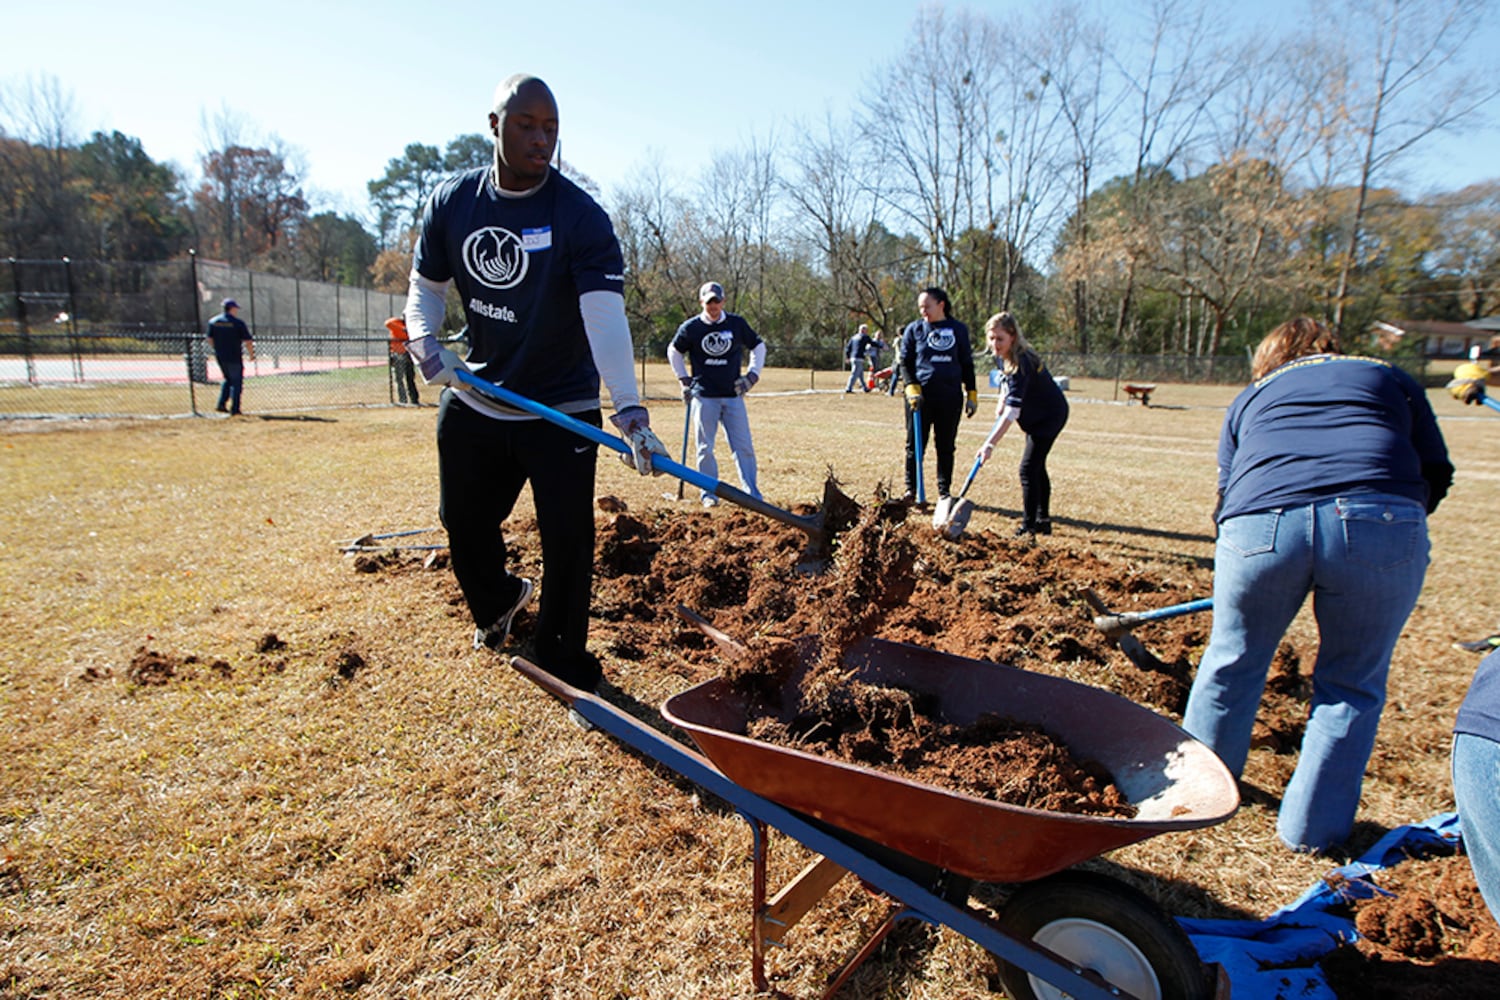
{"x": 576, "y": 717}
{"x": 496, "y": 635}
{"x": 710, "y": 501}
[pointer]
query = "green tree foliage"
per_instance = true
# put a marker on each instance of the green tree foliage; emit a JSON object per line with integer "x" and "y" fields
{"x": 400, "y": 193}
{"x": 133, "y": 204}
{"x": 335, "y": 248}
{"x": 398, "y": 196}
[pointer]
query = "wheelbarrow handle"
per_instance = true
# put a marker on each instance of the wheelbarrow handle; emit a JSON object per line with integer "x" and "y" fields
{"x": 662, "y": 462}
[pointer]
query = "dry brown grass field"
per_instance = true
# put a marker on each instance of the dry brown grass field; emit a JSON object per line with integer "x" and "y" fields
{"x": 365, "y": 807}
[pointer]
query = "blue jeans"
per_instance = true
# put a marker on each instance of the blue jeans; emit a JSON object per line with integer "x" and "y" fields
{"x": 1363, "y": 559}
{"x": 708, "y": 414}
{"x": 1476, "y": 790}
{"x": 234, "y": 384}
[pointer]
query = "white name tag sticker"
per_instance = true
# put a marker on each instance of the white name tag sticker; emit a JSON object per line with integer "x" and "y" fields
{"x": 533, "y": 240}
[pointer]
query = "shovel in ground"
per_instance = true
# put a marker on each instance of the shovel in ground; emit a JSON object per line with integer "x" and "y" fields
{"x": 1116, "y": 627}
{"x": 818, "y": 532}
{"x": 952, "y": 514}
{"x": 687, "y": 423}
{"x": 916, "y": 441}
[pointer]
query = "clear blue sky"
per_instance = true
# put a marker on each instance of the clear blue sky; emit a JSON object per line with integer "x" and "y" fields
{"x": 349, "y": 84}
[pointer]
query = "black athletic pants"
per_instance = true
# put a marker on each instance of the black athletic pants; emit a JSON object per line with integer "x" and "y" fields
{"x": 939, "y": 414}
{"x": 483, "y": 464}
{"x": 1036, "y": 485}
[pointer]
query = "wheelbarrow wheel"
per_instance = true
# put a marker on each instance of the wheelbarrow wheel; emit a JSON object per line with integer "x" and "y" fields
{"x": 1106, "y": 926}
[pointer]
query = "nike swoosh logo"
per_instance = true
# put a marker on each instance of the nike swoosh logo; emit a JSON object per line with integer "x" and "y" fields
{"x": 580, "y": 451}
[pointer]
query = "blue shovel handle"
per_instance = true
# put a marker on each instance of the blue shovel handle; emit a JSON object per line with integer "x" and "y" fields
{"x": 659, "y": 462}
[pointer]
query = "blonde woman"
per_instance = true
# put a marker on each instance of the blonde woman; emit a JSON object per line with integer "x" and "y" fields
{"x": 1030, "y": 399}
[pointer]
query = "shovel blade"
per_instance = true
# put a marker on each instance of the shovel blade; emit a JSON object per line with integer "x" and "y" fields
{"x": 958, "y": 519}
{"x": 940, "y": 514}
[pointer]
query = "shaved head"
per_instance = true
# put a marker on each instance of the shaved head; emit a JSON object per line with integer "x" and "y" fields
{"x": 524, "y": 124}
{"x": 511, "y": 86}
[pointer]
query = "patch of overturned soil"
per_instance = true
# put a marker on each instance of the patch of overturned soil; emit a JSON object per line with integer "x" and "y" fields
{"x": 984, "y": 596}
{"x": 1426, "y": 935}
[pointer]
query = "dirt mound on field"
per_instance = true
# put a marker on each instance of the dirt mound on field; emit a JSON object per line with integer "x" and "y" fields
{"x": 1430, "y": 937}
{"x": 985, "y": 596}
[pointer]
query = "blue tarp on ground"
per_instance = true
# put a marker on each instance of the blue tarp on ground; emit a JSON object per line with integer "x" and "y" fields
{"x": 1256, "y": 953}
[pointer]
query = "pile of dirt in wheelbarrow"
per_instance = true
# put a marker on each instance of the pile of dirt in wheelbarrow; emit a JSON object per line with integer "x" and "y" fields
{"x": 980, "y": 596}
{"x": 893, "y": 729}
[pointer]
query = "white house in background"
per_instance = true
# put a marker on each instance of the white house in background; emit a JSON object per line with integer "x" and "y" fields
{"x": 1439, "y": 338}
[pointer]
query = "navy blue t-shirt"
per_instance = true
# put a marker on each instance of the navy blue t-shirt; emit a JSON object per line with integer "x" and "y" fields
{"x": 939, "y": 357}
{"x": 715, "y": 352}
{"x": 1032, "y": 391}
{"x": 519, "y": 265}
{"x": 227, "y": 333}
{"x": 1479, "y": 714}
{"x": 1324, "y": 426}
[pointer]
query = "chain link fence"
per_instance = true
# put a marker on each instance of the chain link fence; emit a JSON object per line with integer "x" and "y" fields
{"x": 97, "y": 338}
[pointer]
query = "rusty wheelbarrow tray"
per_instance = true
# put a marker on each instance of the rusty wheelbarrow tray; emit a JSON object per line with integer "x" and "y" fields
{"x": 1174, "y": 781}
{"x": 1060, "y": 933}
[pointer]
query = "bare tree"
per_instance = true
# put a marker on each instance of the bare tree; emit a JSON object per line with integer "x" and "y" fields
{"x": 1405, "y": 83}
{"x": 838, "y": 192}
{"x": 1168, "y": 91}
{"x": 650, "y": 221}
{"x": 37, "y": 202}
{"x": 927, "y": 118}
{"x": 1072, "y": 55}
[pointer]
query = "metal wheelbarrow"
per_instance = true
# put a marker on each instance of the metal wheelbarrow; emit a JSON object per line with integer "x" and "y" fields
{"x": 1059, "y": 933}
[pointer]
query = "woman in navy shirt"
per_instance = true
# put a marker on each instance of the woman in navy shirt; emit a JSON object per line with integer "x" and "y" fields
{"x": 1328, "y": 468}
{"x": 938, "y": 363}
{"x": 1032, "y": 401}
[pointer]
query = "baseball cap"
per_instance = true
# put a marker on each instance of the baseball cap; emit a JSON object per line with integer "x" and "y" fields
{"x": 229, "y": 304}
{"x": 711, "y": 290}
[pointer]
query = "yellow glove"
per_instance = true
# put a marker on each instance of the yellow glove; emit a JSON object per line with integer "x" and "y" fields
{"x": 1468, "y": 381}
{"x": 971, "y": 403}
{"x": 914, "y": 395}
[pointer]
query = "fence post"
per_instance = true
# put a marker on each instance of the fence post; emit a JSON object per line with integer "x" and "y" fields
{"x": 73, "y": 347}
{"x": 15, "y": 271}
{"x": 192, "y": 337}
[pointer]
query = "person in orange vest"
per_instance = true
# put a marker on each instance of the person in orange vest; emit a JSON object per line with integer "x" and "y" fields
{"x": 402, "y": 369}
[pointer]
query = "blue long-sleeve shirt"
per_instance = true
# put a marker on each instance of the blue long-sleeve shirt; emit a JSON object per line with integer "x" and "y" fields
{"x": 1329, "y": 425}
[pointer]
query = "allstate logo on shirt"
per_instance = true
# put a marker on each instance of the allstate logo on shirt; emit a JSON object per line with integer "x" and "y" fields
{"x": 718, "y": 343}
{"x": 495, "y": 257}
{"x": 940, "y": 338}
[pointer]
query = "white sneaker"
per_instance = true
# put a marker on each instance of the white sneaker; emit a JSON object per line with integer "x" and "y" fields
{"x": 576, "y": 717}
{"x": 497, "y": 634}
{"x": 710, "y": 501}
